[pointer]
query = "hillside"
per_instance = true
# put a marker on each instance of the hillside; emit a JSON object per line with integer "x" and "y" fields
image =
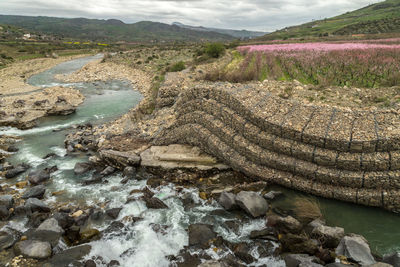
{"x": 241, "y": 34}
{"x": 383, "y": 17}
{"x": 110, "y": 30}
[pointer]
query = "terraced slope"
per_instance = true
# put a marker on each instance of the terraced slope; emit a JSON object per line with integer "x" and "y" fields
{"x": 335, "y": 153}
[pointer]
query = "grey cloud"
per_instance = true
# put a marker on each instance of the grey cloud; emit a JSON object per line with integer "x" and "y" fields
{"x": 266, "y": 15}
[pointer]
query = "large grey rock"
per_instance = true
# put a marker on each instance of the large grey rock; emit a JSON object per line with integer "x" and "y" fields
{"x": 82, "y": 167}
{"x": 4, "y": 213}
{"x": 392, "y": 258}
{"x": 251, "y": 202}
{"x": 51, "y": 224}
{"x": 34, "y": 204}
{"x": 44, "y": 235}
{"x": 16, "y": 171}
{"x": 35, "y": 192}
{"x": 286, "y": 224}
{"x": 301, "y": 260}
{"x": 7, "y": 239}
{"x": 38, "y": 177}
{"x": 379, "y": 264}
{"x": 200, "y": 234}
{"x": 7, "y": 201}
{"x": 227, "y": 201}
{"x": 33, "y": 249}
{"x": 356, "y": 249}
{"x": 70, "y": 256}
{"x": 328, "y": 236}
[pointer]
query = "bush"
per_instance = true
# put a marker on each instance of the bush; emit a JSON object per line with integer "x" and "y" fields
{"x": 215, "y": 50}
{"x": 179, "y": 66}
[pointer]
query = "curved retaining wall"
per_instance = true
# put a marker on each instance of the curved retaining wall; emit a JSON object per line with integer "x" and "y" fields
{"x": 335, "y": 153}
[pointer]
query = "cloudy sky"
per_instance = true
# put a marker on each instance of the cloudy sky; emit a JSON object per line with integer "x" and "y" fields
{"x": 264, "y": 15}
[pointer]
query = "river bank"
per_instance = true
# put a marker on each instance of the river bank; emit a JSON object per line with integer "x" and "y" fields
{"x": 110, "y": 197}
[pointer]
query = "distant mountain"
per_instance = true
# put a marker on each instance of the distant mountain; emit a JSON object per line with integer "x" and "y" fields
{"x": 111, "y": 30}
{"x": 383, "y": 17}
{"x": 241, "y": 34}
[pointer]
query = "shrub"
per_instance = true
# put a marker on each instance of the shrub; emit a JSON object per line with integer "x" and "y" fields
{"x": 179, "y": 66}
{"x": 214, "y": 50}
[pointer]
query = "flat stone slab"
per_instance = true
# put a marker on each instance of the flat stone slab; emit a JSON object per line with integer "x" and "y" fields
{"x": 117, "y": 158}
{"x": 179, "y": 156}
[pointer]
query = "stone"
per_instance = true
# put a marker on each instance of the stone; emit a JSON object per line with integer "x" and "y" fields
{"x": 7, "y": 201}
{"x": 380, "y": 264}
{"x": 38, "y": 177}
{"x": 271, "y": 195}
{"x": 251, "y": 202}
{"x": 77, "y": 214}
{"x": 210, "y": 263}
{"x": 118, "y": 159}
{"x": 89, "y": 235}
{"x": 70, "y": 256}
{"x": 90, "y": 263}
{"x": 7, "y": 240}
{"x": 301, "y": 260}
{"x": 44, "y": 235}
{"x": 95, "y": 179}
{"x": 328, "y": 236}
{"x": 113, "y": 213}
{"x": 227, "y": 201}
{"x": 33, "y": 249}
{"x": 82, "y": 167}
{"x": 242, "y": 251}
{"x": 21, "y": 184}
{"x": 4, "y": 213}
{"x": 286, "y": 224}
{"x": 113, "y": 263}
{"x": 51, "y": 224}
{"x": 356, "y": 249}
{"x": 392, "y": 258}
{"x": 129, "y": 172}
{"x": 16, "y": 171}
{"x": 336, "y": 264}
{"x": 298, "y": 244}
{"x": 108, "y": 171}
{"x": 267, "y": 233}
{"x": 200, "y": 234}
{"x": 35, "y": 192}
{"x": 155, "y": 203}
{"x": 34, "y": 204}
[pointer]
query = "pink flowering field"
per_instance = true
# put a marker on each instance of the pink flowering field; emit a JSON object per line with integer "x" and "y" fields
{"x": 362, "y": 64}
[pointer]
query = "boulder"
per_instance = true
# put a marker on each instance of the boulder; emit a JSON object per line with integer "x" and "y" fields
{"x": 129, "y": 172}
{"x": 303, "y": 260}
{"x": 392, "y": 258}
{"x": 113, "y": 213}
{"x": 242, "y": 251}
{"x": 154, "y": 203}
{"x": 119, "y": 159}
{"x": 267, "y": 234}
{"x": 4, "y": 213}
{"x": 16, "y": 171}
{"x": 64, "y": 220}
{"x": 328, "y": 236}
{"x": 51, "y": 224}
{"x": 271, "y": 195}
{"x": 33, "y": 249}
{"x": 89, "y": 235}
{"x": 34, "y": 204}
{"x": 7, "y": 201}
{"x": 44, "y": 235}
{"x": 35, "y": 192}
{"x": 298, "y": 244}
{"x": 356, "y": 249}
{"x": 38, "y": 177}
{"x": 227, "y": 201}
{"x": 70, "y": 256}
{"x": 82, "y": 167}
{"x": 107, "y": 171}
{"x": 380, "y": 264}
{"x": 251, "y": 202}
{"x": 286, "y": 224}
{"x": 7, "y": 240}
{"x": 200, "y": 234}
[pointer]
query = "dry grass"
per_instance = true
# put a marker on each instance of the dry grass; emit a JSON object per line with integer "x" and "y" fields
{"x": 307, "y": 209}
